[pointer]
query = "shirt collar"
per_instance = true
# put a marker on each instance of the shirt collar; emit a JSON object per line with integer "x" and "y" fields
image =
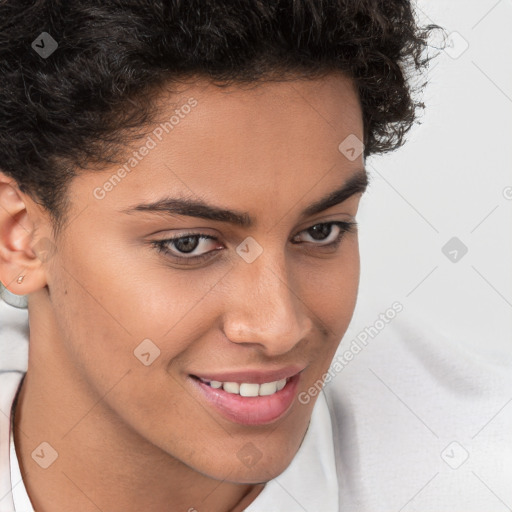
{"x": 13, "y": 494}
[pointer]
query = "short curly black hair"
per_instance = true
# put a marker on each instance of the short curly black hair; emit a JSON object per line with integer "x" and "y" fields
{"x": 94, "y": 93}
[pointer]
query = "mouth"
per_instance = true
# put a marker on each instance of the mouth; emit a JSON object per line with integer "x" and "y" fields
{"x": 248, "y": 403}
{"x": 246, "y": 389}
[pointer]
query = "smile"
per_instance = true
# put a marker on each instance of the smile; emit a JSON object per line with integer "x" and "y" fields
{"x": 247, "y": 388}
{"x": 247, "y": 403}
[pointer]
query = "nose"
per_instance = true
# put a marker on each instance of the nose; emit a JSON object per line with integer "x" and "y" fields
{"x": 265, "y": 307}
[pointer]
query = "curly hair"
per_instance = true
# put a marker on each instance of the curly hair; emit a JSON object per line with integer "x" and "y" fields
{"x": 94, "y": 93}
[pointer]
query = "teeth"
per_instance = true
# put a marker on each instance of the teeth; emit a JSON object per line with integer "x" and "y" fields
{"x": 232, "y": 387}
{"x": 248, "y": 389}
{"x": 268, "y": 388}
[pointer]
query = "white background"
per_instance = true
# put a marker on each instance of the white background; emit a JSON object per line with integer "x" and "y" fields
{"x": 449, "y": 181}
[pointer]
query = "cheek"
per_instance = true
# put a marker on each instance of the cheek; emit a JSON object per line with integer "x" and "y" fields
{"x": 329, "y": 287}
{"x": 119, "y": 311}
{"x": 332, "y": 296}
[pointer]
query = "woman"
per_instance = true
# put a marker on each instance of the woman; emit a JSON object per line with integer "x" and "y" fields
{"x": 179, "y": 190}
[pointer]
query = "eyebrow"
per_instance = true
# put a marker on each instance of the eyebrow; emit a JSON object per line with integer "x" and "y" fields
{"x": 356, "y": 184}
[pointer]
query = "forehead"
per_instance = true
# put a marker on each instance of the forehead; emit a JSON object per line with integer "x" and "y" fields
{"x": 265, "y": 143}
{"x": 328, "y": 105}
{"x": 256, "y": 129}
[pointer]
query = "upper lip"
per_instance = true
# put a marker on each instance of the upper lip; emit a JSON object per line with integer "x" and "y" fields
{"x": 254, "y": 376}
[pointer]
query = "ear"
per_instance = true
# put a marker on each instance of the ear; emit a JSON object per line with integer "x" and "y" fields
{"x": 24, "y": 244}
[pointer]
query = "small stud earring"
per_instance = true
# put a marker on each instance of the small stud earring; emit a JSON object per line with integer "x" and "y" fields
{"x": 20, "y": 279}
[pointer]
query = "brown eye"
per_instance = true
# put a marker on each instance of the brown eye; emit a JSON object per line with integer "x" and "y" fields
{"x": 185, "y": 244}
{"x": 323, "y": 232}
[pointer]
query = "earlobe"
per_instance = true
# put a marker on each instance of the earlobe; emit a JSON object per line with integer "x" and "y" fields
{"x": 21, "y": 269}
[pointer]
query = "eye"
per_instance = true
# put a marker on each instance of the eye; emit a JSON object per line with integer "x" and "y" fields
{"x": 188, "y": 243}
{"x": 185, "y": 244}
{"x": 324, "y": 231}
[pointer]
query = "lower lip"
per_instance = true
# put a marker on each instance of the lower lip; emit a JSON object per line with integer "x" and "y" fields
{"x": 250, "y": 410}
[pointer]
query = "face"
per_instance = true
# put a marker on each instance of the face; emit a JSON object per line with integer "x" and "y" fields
{"x": 252, "y": 301}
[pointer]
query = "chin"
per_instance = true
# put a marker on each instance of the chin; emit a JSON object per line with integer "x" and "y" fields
{"x": 250, "y": 466}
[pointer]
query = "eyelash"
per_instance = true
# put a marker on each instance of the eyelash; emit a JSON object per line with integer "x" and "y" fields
{"x": 161, "y": 245}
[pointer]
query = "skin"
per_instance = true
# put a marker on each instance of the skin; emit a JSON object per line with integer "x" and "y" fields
{"x": 131, "y": 437}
